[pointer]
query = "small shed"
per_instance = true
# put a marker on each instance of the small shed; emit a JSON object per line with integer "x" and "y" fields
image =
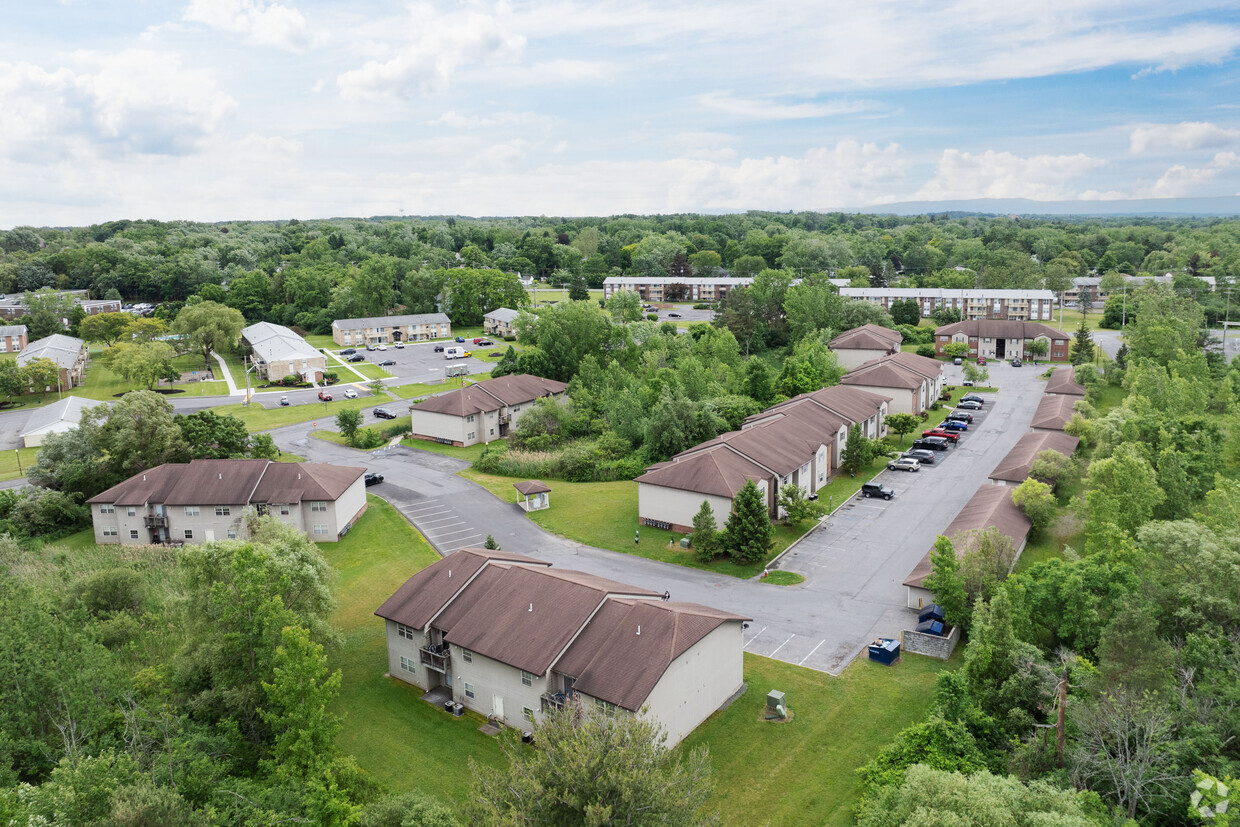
{"x": 534, "y": 495}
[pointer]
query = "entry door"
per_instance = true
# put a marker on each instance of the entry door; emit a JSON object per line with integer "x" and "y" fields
{"x": 497, "y": 706}
{"x": 210, "y": 536}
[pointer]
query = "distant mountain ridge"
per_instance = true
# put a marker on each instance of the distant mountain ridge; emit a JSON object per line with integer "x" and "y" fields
{"x": 1225, "y": 205}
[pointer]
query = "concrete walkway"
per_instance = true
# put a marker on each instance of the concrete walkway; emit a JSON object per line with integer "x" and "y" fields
{"x": 232, "y": 386}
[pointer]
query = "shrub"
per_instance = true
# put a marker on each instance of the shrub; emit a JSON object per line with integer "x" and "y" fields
{"x": 111, "y": 590}
{"x": 652, "y": 317}
{"x": 926, "y": 350}
{"x": 292, "y": 380}
{"x": 368, "y": 438}
{"x": 331, "y": 377}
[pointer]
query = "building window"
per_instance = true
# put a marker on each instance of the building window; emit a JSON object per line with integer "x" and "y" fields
{"x": 133, "y": 534}
{"x": 469, "y": 418}
{"x": 469, "y": 690}
{"x": 283, "y": 510}
{"x": 526, "y": 678}
{"x": 131, "y": 511}
{"x": 109, "y": 532}
{"x": 320, "y": 507}
{"x": 471, "y": 435}
{"x": 223, "y": 510}
{"x": 408, "y": 665}
{"x": 603, "y": 706}
{"x": 191, "y": 511}
{"x": 527, "y": 713}
{"x": 232, "y": 533}
{"x": 107, "y": 509}
{"x": 189, "y": 534}
{"x": 492, "y": 432}
{"x": 320, "y": 528}
{"x": 467, "y": 656}
{"x": 405, "y": 631}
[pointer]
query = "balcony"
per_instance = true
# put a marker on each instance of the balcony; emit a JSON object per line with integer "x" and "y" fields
{"x": 553, "y": 701}
{"x": 437, "y": 656}
{"x": 157, "y": 521}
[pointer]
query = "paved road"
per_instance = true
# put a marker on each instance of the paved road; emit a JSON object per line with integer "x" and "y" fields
{"x": 854, "y": 563}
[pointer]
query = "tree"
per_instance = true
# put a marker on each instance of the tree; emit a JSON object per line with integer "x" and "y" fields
{"x": 944, "y": 316}
{"x": 262, "y": 446}
{"x": 972, "y": 373}
{"x": 593, "y": 768}
{"x": 956, "y": 350}
{"x": 859, "y": 452}
{"x": 297, "y": 705}
{"x": 145, "y": 329}
{"x": 758, "y": 381}
{"x": 349, "y": 421}
{"x": 902, "y": 424}
{"x": 906, "y": 311}
{"x": 491, "y": 543}
{"x": 935, "y": 743}
{"x": 1050, "y": 467}
{"x": 1122, "y": 490}
{"x": 705, "y": 535}
{"x": 413, "y": 809}
{"x": 41, "y": 374}
{"x": 945, "y": 583}
{"x": 209, "y": 326}
{"x": 142, "y": 364}
{"x": 986, "y": 560}
{"x": 12, "y": 383}
{"x": 1038, "y": 348}
{"x": 1082, "y": 350}
{"x": 749, "y": 532}
{"x": 796, "y": 506}
{"x": 577, "y": 290}
{"x": 48, "y": 310}
{"x": 1037, "y": 501}
{"x": 138, "y": 433}
{"x": 508, "y": 363}
{"x": 211, "y": 436}
{"x": 107, "y": 328}
{"x": 625, "y": 306}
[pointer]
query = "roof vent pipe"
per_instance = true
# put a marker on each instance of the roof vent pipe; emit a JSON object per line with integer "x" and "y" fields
{"x": 221, "y": 476}
{"x": 639, "y": 629}
{"x": 531, "y": 607}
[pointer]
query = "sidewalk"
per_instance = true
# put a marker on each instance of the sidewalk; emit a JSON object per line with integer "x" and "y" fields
{"x": 232, "y": 386}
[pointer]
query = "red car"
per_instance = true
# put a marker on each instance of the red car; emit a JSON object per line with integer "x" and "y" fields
{"x": 325, "y": 396}
{"x": 951, "y": 436}
{"x": 981, "y": 360}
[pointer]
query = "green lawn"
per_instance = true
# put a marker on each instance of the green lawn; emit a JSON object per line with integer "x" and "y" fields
{"x": 545, "y": 292}
{"x": 10, "y": 460}
{"x": 379, "y": 428}
{"x": 424, "y": 389}
{"x": 400, "y": 740}
{"x": 1072, "y": 320}
{"x": 257, "y": 418}
{"x": 469, "y": 453}
{"x": 803, "y": 771}
{"x": 102, "y": 384}
{"x": 783, "y": 578}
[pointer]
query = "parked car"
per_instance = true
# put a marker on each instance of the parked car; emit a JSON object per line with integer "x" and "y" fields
{"x": 1016, "y": 363}
{"x": 673, "y": 315}
{"x": 904, "y": 464}
{"x": 968, "y": 383}
{"x": 957, "y": 361}
{"x": 931, "y": 443}
{"x": 381, "y": 347}
{"x": 960, "y": 416}
{"x": 384, "y": 413}
{"x": 439, "y": 348}
{"x": 954, "y": 425}
{"x": 460, "y": 338}
{"x": 348, "y": 351}
{"x": 349, "y": 393}
{"x": 981, "y": 360}
{"x": 948, "y": 435}
{"x": 387, "y": 363}
{"x": 399, "y": 345}
{"x": 356, "y": 357}
{"x": 484, "y": 342}
{"x": 972, "y": 397}
{"x": 370, "y": 347}
{"x": 325, "y": 396}
{"x": 874, "y": 489}
{"x": 373, "y": 478}
{"x": 283, "y": 401}
{"x": 921, "y": 455}
{"x": 969, "y": 406}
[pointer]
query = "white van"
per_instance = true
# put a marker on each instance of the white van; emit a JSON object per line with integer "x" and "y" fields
{"x": 454, "y": 353}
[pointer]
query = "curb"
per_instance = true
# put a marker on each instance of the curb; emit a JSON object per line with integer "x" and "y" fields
{"x": 821, "y": 521}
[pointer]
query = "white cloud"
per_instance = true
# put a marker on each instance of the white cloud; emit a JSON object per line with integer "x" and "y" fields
{"x": 1180, "y": 136}
{"x": 433, "y": 47}
{"x": 1003, "y": 175}
{"x": 261, "y": 23}
{"x": 1180, "y": 181}
{"x": 457, "y": 120}
{"x": 768, "y": 110}
{"x": 560, "y": 71}
{"x": 136, "y": 101}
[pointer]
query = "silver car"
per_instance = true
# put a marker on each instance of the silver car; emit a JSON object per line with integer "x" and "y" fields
{"x": 904, "y": 464}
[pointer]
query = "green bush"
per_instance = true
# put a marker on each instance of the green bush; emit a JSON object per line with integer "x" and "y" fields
{"x": 368, "y": 438}
{"x": 652, "y": 317}
{"x": 925, "y": 350}
{"x": 292, "y": 380}
{"x": 111, "y": 590}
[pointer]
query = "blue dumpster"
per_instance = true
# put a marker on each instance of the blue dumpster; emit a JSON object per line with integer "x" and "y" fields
{"x": 931, "y": 627}
{"x": 934, "y": 612}
{"x": 885, "y": 650}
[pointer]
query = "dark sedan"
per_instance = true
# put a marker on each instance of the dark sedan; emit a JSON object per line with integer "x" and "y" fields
{"x": 372, "y": 478}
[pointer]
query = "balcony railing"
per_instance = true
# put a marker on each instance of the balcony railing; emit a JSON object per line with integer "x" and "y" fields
{"x": 157, "y": 521}
{"x": 552, "y": 701}
{"x": 437, "y": 656}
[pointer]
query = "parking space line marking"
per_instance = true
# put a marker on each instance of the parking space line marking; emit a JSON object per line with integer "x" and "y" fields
{"x": 811, "y": 652}
{"x": 449, "y": 533}
{"x": 755, "y": 637}
{"x": 422, "y": 509}
{"x": 780, "y": 646}
{"x": 451, "y": 518}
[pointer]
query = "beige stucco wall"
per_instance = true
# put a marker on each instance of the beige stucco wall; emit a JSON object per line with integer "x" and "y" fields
{"x": 698, "y": 682}
{"x": 671, "y": 505}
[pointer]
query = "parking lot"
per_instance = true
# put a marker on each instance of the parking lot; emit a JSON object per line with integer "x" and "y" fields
{"x": 417, "y": 362}
{"x": 861, "y": 554}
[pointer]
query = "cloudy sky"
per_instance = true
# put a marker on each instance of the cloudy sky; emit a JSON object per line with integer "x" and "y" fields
{"x": 261, "y": 109}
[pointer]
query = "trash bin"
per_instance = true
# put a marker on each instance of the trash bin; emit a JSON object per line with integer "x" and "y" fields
{"x": 885, "y": 650}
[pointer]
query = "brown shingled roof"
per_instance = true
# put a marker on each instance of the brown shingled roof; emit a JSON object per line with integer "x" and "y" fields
{"x": 849, "y": 404}
{"x": 867, "y": 337}
{"x": 930, "y": 368}
{"x": 1001, "y": 329}
{"x": 1015, "y": 466}
{"x": 425, "y": 594}
{"x": 883, "y": 374}
{"x": 531, "y": 487}
{"x": 1054, "y": 411}
{"x": 491, "y": 395}
{"x": 1063, "y": 381}
{"x": 232, "y": 482}
{"x": 991, "y": 506}
{"x": 610, "y": 660}
{"x": 720, "y": 472}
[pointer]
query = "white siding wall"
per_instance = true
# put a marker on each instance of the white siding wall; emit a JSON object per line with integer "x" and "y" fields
{"x": 698, "y": 682}
{"x": 398, "y": 646}
{"x": 850, "y": 358}
{"x": 443, "y": 426}
{"x": 490, "y": 678}
{"x": 670, "y": 505}
{"x": 902, "y": 399}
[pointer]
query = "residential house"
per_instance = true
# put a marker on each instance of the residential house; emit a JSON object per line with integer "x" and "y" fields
{"x": 513, "y": 639}
{"x": 913, "y": 382}
{"x": 207, "y": 499}
{"x": 991, "y": 506}
{"x": 279, "y": 352}
{"x": 798, "y": 442}
{"x": 13, "y": 305}
{"x": 69, "y": 354}
{"x": 1003, "y": 339}
{"x": 1023, "y": 305}
{"x": 660, "y": 289}
{"x": 501, "y": 322}
{"x": 1053, "y": 412}
{"x": 1063, "y": 381}
{"x": 480, "y": 412}
{"x": 13, "y": 337}
{"x": 56, "y": 418}
{"x": 855, "y": 347}
{"x": 1013, "y": 469}
{"x": 385, "y": 330}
